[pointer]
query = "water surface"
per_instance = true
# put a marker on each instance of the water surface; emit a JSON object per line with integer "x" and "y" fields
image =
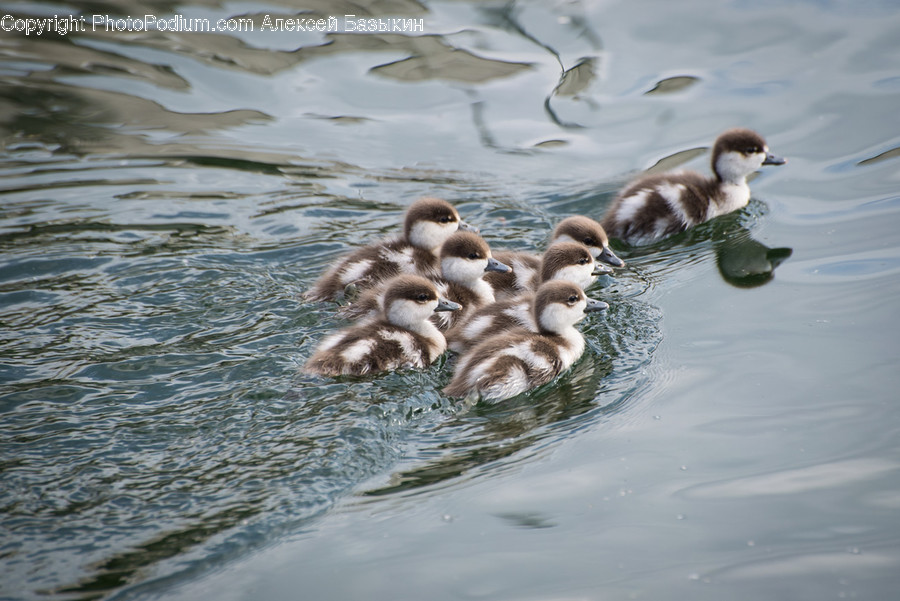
{"x": 167, "y": 196}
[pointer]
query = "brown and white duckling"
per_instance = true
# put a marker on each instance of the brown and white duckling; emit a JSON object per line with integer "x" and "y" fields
{"x": 402, "y": 337}
{"x": 427, "y": 225}
{"x": 519, "y": 360}
{"x": 579, "y": 229}
{"x": 465, "y": 258}
{"x": 565, "y": 261}
{"x": 585, "y": 230}
{"x": 655, "y": 206}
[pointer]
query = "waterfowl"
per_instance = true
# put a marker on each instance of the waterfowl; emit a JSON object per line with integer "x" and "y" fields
{"x": 401, "y": 337}
{"x": 565, "y": 261}
{"x": 465, "y": 258}
{"x": 655, "y": 206}
{"x": 516, "y": 361}
{"x": 585, "y": 230}
{"x": 427, "y": 225}
{"x": 562, "y": 260}
{"x": 577, "y": 229}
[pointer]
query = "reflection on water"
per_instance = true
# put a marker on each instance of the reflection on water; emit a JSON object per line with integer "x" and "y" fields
{"x": 747, "y": 263}
{"x": 673, "y": 84}
{"x": 742, "y": 261}
{"x": 168, "y": 195}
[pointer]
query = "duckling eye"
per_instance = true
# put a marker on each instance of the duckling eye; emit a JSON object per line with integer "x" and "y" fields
{"x": 582, "y": 261}
{"x": 446, "y": 219}
{"x": 753, "y": 150}
{"x": 589, "y": 241}
{"x": 473, "y": 256}
{"x": 422, "y": 297}
{"x": 573, "y": 299}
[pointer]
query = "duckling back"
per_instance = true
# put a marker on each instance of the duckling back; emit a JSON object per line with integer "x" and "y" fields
{"x": 401, "y": 337}
{"x": 656, "y": 206}
{"x": 427, "y": 224}
{"x": 519, "y": 360}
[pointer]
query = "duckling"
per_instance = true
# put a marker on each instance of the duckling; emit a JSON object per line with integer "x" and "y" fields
{"x": 566, "y": 261}
{"x": 585, "y": 230}
{"x": 465, "y": 258}
{"x": 428, "y": 223}
{"x": 655, "y": 206}
{"x": 563, "y": 260}
{"x": 519, "y": 360}
{"x": 580, "y": 229}
{"x": 525, "y": 268}
{"x": 402, "y": 337}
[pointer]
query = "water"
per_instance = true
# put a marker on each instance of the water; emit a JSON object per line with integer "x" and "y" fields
{"x": 167, "y": 196}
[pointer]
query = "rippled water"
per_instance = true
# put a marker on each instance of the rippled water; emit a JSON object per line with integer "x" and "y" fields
{"x": 167, "y": 196}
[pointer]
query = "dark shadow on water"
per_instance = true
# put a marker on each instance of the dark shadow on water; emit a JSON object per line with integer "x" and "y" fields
{"x": 120, "y": 569}
{"x": 741, "y": 260}
{"x": 748, "y": 263}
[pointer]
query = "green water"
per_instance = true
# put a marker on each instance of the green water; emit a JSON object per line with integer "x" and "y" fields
{"x": 731, "y": 432}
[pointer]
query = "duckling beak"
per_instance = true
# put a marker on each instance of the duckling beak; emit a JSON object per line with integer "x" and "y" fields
{"x": 610, "y": 258}
{"x": 601, "y": 269}
{"x": 771, "y": 159}
{"x": 467, "y": 227}
{"x": 495, "y": 265}
{"x": 595, "y": 305}
{"x": 447, "y": 305}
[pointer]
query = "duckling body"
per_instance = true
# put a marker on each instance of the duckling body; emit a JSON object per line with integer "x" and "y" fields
{"x": 501, "y": 316}
{"x": 518, "y": 360}
{"x": 563, "y": 260}
{"x": 656, "y": 206}
{"x": 524, "y": 272}
{"x": 567, "y": 261}
{"x": 465, "y": 258}
{"x": 428, "y": 223}
{"x": 401, "y": 337}
{"x": 526, "y": 267}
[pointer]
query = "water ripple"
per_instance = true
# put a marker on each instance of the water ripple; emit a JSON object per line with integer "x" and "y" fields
{"x": 167, "y": 197}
